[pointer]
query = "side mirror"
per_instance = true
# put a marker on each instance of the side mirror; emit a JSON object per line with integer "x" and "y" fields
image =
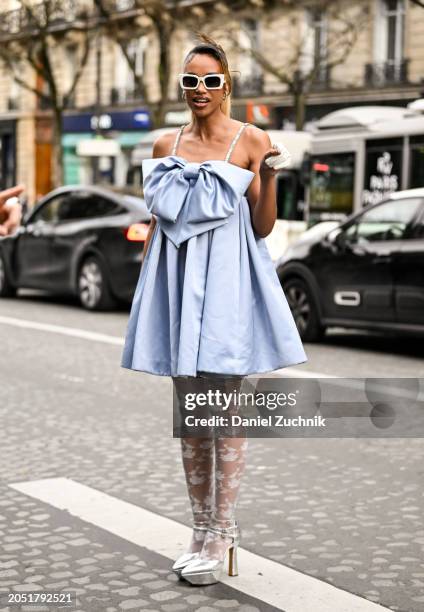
{"x": 335, "y": 240}
{"x": 340, "y": 241}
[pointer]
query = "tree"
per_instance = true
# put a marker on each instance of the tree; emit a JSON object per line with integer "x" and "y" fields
{"x": 30, "y": 37}
{"x": 145, "y": 16}
{"x": 327, "y": 42}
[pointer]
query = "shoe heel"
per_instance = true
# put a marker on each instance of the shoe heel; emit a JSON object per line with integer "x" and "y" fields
{"x": 232, "y": 561}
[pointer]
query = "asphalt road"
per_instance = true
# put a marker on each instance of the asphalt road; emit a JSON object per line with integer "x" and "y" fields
{"x": 346, "y": 512}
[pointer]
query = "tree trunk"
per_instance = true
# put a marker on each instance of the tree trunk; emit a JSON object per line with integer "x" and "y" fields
{"x": 158, "y": 110}
{"x": 299, "y": 103}
{"x": 57, "y": 152}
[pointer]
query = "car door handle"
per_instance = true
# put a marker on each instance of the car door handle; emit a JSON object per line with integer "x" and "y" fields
{"x": 358, "y": 249}
{"x": 382, "y": 259}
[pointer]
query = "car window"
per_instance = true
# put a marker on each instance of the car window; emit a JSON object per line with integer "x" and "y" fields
{"x": 76, "y": 205}
{"x": 49, "y": 211}
{"x": 86, "y": 206}
{"x": 388, "y": 221}
{"x": 416, "y": 231}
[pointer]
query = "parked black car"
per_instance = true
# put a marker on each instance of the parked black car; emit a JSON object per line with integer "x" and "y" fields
{"x": 367, "y": 272}
{"x": 78, "y": 240}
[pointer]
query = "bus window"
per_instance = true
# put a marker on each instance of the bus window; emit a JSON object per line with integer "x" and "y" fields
{"x": 383, "y": 169}
{"x": 331, "y": 185}
{"x": 290, "y": 196}
{"x": 417, "y": 162}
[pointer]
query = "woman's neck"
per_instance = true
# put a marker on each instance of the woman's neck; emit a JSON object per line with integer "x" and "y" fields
{"x": 205, "y": 128}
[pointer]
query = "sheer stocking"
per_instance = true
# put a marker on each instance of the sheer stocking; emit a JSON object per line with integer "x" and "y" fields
{"x": 228, "y": 445}
{"x": 197, "y": 456}
{"x": 230, "y": 458}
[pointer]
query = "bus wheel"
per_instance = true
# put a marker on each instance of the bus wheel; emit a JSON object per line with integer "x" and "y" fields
{"x": 304, "y": 310}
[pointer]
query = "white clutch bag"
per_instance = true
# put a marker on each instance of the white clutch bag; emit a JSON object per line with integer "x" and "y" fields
{"x": 279, "y": 161}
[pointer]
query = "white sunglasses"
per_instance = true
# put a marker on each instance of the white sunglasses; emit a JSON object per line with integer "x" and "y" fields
{"x": 210, "y": 81}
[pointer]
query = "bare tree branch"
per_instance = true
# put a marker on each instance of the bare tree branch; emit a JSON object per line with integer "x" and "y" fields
{"x": 44, "y": 29}
{"x": 78, "y": 73}
{"x": 301, "y": 68}
{"x": 12, "y": 70}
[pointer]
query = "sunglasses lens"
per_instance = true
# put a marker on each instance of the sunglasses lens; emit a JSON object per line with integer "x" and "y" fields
{"x": 213, "y": 81}
{"x": 189, "y": 81}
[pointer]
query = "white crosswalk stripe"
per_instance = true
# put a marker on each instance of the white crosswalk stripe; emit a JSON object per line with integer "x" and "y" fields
{"x": 270, "y": 582}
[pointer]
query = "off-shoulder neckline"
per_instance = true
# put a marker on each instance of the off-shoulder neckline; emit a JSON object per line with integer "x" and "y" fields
{"x": 221, "y": 161}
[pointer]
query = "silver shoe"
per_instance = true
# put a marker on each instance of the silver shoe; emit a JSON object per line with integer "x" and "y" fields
{"x": 205, "y": 571}
{"x": 187, "y": 558}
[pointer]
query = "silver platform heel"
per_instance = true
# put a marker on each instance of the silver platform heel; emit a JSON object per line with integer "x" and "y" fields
{"x": 187, "y": 558}
{"x": 205, "y": 571}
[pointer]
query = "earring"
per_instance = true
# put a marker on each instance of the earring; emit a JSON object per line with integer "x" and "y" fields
{"x": 184, "y": 95}
{"x": 224, "y": 96}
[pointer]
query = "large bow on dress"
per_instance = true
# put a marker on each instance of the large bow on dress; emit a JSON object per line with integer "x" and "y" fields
{"x": 189, "y": 198}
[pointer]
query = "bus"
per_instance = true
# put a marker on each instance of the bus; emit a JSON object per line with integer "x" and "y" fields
{"x": 359, "y": 155}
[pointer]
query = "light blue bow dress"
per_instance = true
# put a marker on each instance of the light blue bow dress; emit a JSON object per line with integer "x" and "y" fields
{"x": 208, "y": 297}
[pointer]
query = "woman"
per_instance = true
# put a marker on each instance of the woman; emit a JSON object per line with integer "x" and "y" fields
{"x": 208, "y": 308}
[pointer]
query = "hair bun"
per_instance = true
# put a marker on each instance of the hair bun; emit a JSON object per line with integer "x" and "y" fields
{"x": 210, "y": 41}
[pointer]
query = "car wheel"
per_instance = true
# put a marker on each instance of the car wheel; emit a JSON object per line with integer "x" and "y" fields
{"x": 93, "y": 287}
{"x": 6, "y": 288}
{"x": 304, "y": 310}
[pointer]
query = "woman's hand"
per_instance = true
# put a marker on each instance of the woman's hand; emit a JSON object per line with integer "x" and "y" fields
{"x": 10, "y": 214}
{"x": 266, "y": 171}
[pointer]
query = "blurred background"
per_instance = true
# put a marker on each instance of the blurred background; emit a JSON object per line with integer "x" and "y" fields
{"x": 84, "y": 82}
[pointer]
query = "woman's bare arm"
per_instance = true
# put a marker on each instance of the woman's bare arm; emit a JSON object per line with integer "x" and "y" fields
{"x": 261, "y": 194}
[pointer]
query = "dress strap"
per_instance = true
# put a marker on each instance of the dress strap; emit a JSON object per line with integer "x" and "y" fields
{"x": 234, "y": 142}
{"x": 177, "y": 140}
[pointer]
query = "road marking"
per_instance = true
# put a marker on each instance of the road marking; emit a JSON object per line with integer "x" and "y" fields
{"x": 273, "y": 583}
{"x": 61, "y": 329}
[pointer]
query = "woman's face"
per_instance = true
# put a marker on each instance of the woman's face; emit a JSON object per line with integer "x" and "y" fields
{"x": 204, "y": 101}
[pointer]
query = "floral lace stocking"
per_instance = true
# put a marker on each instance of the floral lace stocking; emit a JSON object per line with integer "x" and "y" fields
{"x": 230, "y": 458}
{"x": 197, "y": 455}
{"x": 213, "y": 467}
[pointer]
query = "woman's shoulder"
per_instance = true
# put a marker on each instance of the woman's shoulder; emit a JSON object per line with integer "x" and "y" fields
{"x": 164, "y": 143}
{"x": 257, "y": 136}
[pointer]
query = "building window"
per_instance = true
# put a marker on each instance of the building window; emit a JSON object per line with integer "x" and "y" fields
{"x": 249, "y": 39}
{"x": 250, "y": 80}
{"x": 70, "y": 63}
{"x": 390, "y": 66}
{"x": 314, "y": 52}
{"x": 125, "y": 89}
{"x": 395, "y": 24}
{"x": 15, "y": 91}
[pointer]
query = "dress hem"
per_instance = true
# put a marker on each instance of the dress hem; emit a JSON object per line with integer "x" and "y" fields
{"x": 156, "y": 373}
